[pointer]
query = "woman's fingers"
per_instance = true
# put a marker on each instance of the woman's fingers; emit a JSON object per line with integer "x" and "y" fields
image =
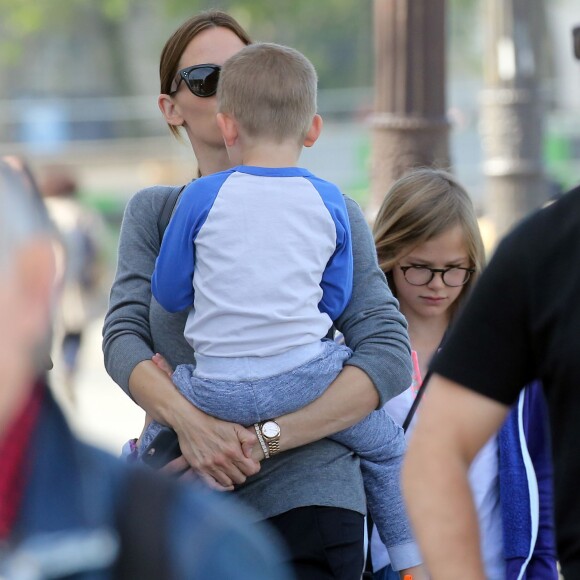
{"x": 213, "y": 477}
{"x": 216, "y": 449}
{"x": 227, "y": 466}
{"x": 161, "y": 362}
{"x": 191, "y": 476}
{"x": 176, "y": 466}
{"x": 213, "y": 484}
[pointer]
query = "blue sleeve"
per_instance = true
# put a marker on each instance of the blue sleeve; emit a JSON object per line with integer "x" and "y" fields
{"x": 337, "y": 279}
{"x": 172, "y": 280}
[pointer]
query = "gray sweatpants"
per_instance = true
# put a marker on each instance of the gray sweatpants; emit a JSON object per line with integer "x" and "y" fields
{"x": 377, "y": 439}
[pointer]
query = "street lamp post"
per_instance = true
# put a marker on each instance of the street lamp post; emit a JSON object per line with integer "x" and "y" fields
{"x": 409, "y": 125}
{"x": 511, "y": 112}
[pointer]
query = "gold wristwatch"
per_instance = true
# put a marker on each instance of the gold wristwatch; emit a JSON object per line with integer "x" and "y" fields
{"x": 268, "y": 433}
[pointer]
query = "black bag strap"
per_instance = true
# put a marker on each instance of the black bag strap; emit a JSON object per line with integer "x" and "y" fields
{"x": 416, "y": 402}
{"x": 168, "y": 209}
{"x": 142, "y": 526}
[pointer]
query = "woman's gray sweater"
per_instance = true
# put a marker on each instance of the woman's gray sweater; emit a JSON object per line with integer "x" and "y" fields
{"x": 323, "y": 473}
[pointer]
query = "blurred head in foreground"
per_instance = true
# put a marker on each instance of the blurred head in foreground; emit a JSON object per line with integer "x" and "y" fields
{"x": 27, "y": 281}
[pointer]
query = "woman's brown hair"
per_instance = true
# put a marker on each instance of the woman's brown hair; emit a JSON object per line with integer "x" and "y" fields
{"x": 180, "y": 39}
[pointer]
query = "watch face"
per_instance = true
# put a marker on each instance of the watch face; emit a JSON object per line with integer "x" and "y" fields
{"x": 270, "y": 429}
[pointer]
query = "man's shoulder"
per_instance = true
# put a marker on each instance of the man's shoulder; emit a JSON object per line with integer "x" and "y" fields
{"x": 546, "y": 228}
{"x": 564, "y": 210}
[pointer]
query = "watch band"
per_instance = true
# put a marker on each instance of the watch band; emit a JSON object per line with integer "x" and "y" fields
{"x": 273, "y": 446}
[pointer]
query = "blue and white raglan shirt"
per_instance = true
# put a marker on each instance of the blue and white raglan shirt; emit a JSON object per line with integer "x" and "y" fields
{"x": 263, "y": 258}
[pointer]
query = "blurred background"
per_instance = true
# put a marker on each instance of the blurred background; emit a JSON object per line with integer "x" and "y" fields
{"x": 78, "y": 91}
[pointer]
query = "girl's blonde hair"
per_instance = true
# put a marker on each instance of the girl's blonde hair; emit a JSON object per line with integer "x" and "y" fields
{"x": 418, "y": 207}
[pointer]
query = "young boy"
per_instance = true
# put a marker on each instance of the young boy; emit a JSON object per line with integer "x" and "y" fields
{"x": 261, "y": 254}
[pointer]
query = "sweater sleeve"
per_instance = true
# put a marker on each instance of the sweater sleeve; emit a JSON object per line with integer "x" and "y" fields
{"x": 126, "y": 332}
{"x": 372, "y": 324}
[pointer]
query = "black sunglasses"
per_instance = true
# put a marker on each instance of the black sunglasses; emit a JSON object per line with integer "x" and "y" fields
{"x": 201, "y": 79}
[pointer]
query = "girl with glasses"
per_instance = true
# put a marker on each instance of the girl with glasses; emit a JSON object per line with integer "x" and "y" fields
{"x": 430, "y": 248}
{"x": 311, "y": 491}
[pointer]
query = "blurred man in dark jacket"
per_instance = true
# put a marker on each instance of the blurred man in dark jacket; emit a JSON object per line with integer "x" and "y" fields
{"x": 70, "y": 510}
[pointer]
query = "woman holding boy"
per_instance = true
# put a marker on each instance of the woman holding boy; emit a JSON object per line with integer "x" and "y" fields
{"x": 312, "y": 490}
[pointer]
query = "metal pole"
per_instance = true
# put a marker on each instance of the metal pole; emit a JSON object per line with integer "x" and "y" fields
{"x": 511, "y": 112}
{"x": 410, "y": 127}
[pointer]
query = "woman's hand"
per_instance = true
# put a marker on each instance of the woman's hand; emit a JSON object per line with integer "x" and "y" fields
{"x": 180, "y": 468}
{"x": 215, "y": 449}
{"x": 161, "y": 363}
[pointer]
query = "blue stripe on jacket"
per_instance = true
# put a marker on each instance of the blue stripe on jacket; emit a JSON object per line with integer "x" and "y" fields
{"x": 526, "y": 489}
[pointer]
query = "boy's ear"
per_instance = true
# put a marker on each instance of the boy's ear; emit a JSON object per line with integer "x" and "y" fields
{"x": 169, "y": 110}
{"x": 314, "y": 131}
{"x": 229, "y": 129}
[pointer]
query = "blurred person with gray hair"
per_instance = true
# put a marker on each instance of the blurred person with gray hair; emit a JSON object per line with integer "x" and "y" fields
{"x": 71, "y": 510}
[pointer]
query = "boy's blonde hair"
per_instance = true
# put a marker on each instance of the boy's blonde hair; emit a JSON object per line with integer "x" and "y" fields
{"x": 270, "y": 90}
{"x": 418, "y": 207}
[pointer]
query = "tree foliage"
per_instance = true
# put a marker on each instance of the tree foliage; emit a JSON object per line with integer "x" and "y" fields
{"x": 335, "y": 34}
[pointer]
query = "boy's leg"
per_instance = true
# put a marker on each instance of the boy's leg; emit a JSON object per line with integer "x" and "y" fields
{"x": 380, "y": 444}
{"x": 251, "y": 401}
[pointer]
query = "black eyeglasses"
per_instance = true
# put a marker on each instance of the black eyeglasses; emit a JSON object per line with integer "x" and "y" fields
{"x": 422, "y": 275}
{"x": 201, "y": 79}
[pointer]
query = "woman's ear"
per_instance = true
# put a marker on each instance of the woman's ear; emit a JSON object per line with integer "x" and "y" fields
{"x": 169, "y": 110}
{"x": 314, "y": 131}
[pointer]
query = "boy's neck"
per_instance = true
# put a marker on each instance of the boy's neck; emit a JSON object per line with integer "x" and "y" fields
{"x": 212, "y": 159}
{"x": 268, "y": 154}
